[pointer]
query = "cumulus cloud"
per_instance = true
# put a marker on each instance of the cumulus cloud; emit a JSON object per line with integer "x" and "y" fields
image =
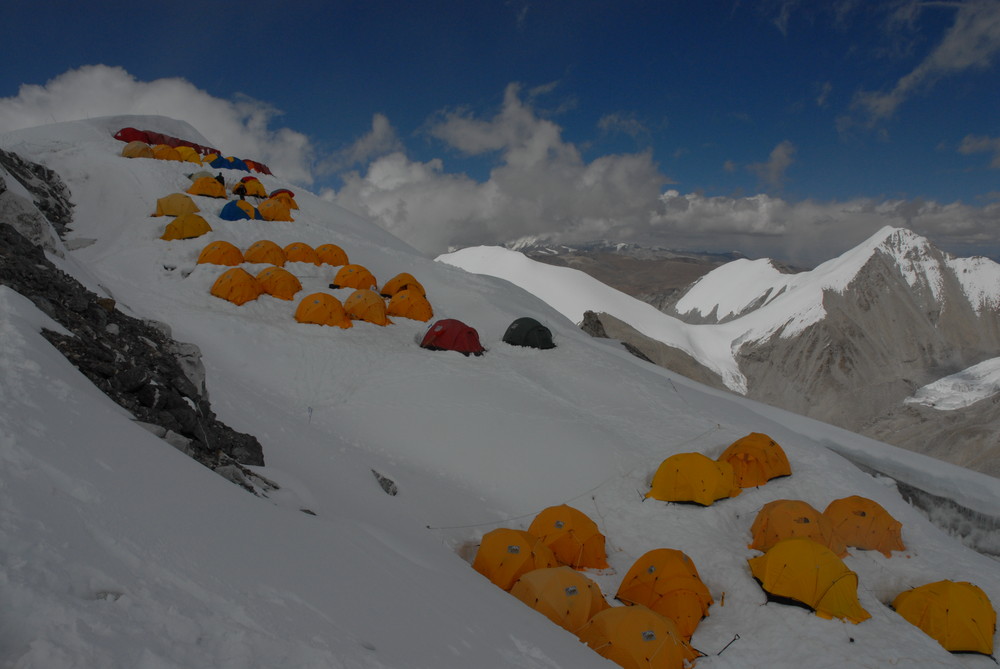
{"x": 771, "y": 174}
{"x": 971, "y": 43}
{"x": 381, "y": 140}
{"x": 240, "y": 127}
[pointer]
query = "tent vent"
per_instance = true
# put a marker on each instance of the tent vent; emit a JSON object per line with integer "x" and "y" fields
{"x": 649, "y": 635}
{"x": 560, "y": 524}
{"x": 514, "y": 548}
{"x": 571, "y": 590}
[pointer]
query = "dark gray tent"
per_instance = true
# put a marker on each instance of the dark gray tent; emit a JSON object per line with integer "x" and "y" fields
{"x": 528, "y": 332}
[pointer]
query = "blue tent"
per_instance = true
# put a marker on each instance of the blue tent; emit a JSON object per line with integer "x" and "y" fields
{"x": 230, "y": 164}
{"x": 234, "y": 212}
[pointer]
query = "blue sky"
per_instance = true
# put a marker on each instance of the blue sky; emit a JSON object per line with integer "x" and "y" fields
{"x": 786, "y": 128}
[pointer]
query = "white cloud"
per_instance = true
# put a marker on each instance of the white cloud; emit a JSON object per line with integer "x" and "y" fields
{"x": 971, "y": 43}
{"x": 380, "y": 141}
{"x": 240, "y": 127}
{"x": 772, "y": 173}
{"x": 980, "y": 144}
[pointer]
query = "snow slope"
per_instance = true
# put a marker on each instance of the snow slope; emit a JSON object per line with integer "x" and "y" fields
{"x": 118, "y": 551}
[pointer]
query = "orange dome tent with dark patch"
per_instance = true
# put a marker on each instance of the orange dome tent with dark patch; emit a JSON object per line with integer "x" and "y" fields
{"x": 175, "y": 204}
{"x": 693, "y": 477}
{"x": 410, "y": 304}
{"x": 220, "y": 253}
{"x": 275, "y": 209}
{"x": 367, "y": 305}
{"x": 207, "y": 186}
{"x": 505, "y": 555}
{"x": 331, "y": 254}
{"x": 278, "y": 282}
{"x": 322, "y": 309}
{"x": 637, "y": 638}
{"x": 301, "y": 252}
{"x": 667, "y": 581}
{"x": 265, "y": 251}
{"x": 809, "y": 573}
{"x": 561, "y": 594}
{"x": 865, "y": 524}
{"x": 252, "y": 187}
{"x": 756, "y": 459}
{"x": 237, "y": 286}
{"x": 353, "y": 276}
{"x": 187, "y": 226}
{"x": 789, "y": 518}
{"x": 137, "y": 149}
{"x": 401, "y": 282}
{"x": 573, "y": 537}
{"x": 956, "y": 614}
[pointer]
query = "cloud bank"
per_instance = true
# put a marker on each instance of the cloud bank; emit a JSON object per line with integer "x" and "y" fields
{"x": 240, "y": 127}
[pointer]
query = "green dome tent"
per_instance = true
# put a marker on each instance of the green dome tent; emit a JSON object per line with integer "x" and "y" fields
{"x": 528, "y": 332}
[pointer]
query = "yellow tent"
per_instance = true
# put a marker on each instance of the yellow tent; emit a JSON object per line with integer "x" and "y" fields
{"x": 573, "y": 537}
{"x": 166, "y": 152}
{"x": 367, "y": 305}
{"x": 563, "y": 595}
{"x": 301, "y": 252}
{"x": 274, "y": 209}
{"x": 251, "y": 187}
{"x": 287, "y": 196}
{"x": 693, "y": 477}
{"x": 401, "y": 282}
{"x": 956, "y": 614}
{"x": 265, "y": 251}
{"x": 354, "y": 276}
{"x": 137, "y": 149}
{"x": 237, "y": 285}
{"x": 278, "y": 282}
{"x": 220, "y": 253}
{"x": 635, "y": 637}
{"x": 505, "y": 555}
{"x": 864, "y": 523}
{"x": 809, "y": 573}
{"x": 410, "y": 304}
{"x": 331, "y": 254}
{"x": 666, "y": 581}
{"x": 787, "y": 518}
{"x": 187, "y": 226}
{"x": 189, "y": 155}
{"x": 322, "y": 309}
{"x": 756, "y": 459}
{"x": 208, "y": 186}
{"x": 175, "y": 205}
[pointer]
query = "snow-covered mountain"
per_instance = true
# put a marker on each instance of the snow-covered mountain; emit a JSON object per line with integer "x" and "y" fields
{"x": 846, "y": 342}
{"x": 117, "y": 550}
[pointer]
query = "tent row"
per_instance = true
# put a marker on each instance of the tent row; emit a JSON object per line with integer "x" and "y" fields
{"x": 276, "y": 207}
{"x": 221, "y": 252}
{"x": 749, "y": 462}
{"x": 210, "y": 155}
{"x": 663, "y": 595}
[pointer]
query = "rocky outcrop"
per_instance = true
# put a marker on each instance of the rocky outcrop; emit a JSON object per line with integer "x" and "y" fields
{"x": 159, "y": 381}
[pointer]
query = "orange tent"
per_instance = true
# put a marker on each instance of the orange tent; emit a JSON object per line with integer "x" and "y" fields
{"x": 864, "y": 523}
{"x": 756, "y": 459}
{"x": 237, "y": 286}
{"x": 410, "y": 304}
{"x": 301, "y": 252}
{"x": 175, "y": 204}
{"x": 208, "y": 186}
{"x": 788, "y": 518}
{"x": 366, "y": 305}
{"x": 573, "y": 537}
{"x": 137, "y": 149}
{"x": 187, "y": 226}
{"x": 252, "y": 187}
{"x": 322, "y": 309}
{"x": 265, "y": 251}
{"x": 505, "y": 555}
{"x": 274, "y": 209}
{"x": 331, "y": 254}
{"x": 287, "y": 196}
{"x": 220, "y": 253}
{"x": 666, "y": 581}
{"x": 401, "y": 282}
{"x": 354, "y": 276}
{"x": 958, "y": 615}
{"x": 278, "y": 282}
{"x": 188, "y": 154}
{"x": 635, "y": 637}
{"x": 166, "y": 152}
{"x": 693, "y": 477}
{"x": 809, "y": 573}
{"x": 563, "y": 595}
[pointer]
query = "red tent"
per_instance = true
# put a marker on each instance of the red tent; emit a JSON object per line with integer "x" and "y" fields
{"x": 449, "y": 334}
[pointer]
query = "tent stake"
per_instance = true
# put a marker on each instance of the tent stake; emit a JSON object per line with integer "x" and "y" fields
{"x": 734, "y": 639}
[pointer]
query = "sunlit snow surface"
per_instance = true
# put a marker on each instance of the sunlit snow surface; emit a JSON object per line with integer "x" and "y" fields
{"x": 962, "y": 389}
{"x": 118, "y": 551}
